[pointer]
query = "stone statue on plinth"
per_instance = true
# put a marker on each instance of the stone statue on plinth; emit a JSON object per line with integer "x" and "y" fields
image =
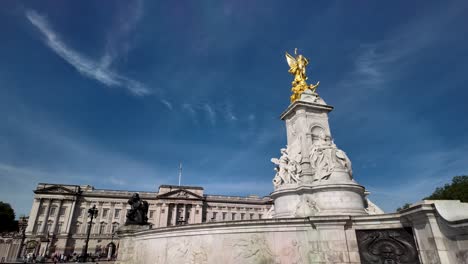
{"x": 288, "y": 166}
{"x": 137, "y": 215}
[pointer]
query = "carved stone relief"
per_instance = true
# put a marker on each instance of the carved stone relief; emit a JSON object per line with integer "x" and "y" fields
{"x": 306, "y": 208}
{"x": 253, "y": 250}
{"x": 187, "y": 252}
{"x": 291, "y": 253}
{"x": 387, "y": 246}
{"x": 325, "y": 157}
{"x": 288, "y": 166}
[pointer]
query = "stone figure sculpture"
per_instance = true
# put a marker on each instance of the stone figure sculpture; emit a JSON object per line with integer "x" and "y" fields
{"x": 297, "y": 67}
{"x": 288, "y": 166}
{"x": 325, "y": 158}
{"x": 137, "y": 215}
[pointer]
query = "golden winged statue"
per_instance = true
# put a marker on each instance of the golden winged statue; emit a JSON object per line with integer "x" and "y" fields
{"x": 297, "y": 67}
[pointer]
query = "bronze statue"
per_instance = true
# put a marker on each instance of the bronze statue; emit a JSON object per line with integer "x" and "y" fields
{"x": 297, "y": 67}
{"x": 137, "y": 215}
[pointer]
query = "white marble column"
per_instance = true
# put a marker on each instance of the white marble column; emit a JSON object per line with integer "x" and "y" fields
{"x": 184, "y": 213}
{"x": 157, "y": 215}
{"x": 174, "y": 214}
{"x": 57, "y": 217}
{"x": 198, "y": 218}
{"x": 46, "y": 216}
{"x": 70, "y": 215}
{"x": 163, "y": 215}
{"x": 123, "y": 214}
{"x": 193, "y": 216}
{"x": 34, "y": 215}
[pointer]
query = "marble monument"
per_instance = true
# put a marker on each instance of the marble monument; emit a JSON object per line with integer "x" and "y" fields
{"x": 320, "y": 213}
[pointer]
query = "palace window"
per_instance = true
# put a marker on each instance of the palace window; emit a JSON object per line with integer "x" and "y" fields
{"x": 102, "y": 228}
{"x": 260, "y": 216}
{"x": 224, "y": 216}
{"x": 114, "y": 227}
{"x": 82, "y": 210}
{"x": 42, "y": 210}
{"x": 214, "y": 216}
{"x": 242, "y": 216}
{"x": 251, "y": 216}
{"x": 37, "y": 227}
{"x": 105, "y": 212}
{"x": 58, "y": 228}
{"x": 62, "y": 211}
{"x": 233, "y": 216}
{"x": 116, "y": 213}
{"x": 48, "y": 227}
{"x": 151, "y": 213}
{"x": 52, "y": 211}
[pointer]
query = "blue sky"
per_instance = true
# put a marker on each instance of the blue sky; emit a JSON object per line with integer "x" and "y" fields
{"x": 116, "y": 93}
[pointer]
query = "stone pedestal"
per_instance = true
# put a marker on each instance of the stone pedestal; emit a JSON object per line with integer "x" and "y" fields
{"x": 126, "y": 236}
{"x": 314, "y": 177}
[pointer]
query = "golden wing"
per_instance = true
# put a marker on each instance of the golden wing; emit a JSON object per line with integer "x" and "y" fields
{"x": 291, "y": 60}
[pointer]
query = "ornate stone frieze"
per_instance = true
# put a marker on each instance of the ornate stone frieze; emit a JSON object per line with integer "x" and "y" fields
{"x": 391, "y": 246}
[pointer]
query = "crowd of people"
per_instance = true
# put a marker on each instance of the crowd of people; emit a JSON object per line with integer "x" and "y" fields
{"x": 62, "y": 258}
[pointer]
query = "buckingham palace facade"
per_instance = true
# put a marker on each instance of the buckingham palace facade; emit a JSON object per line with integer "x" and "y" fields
{"x": 58, "y": 220}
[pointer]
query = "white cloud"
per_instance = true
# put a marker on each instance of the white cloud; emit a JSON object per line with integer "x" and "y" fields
{"x": 210, "y": 113}
{"x": 167, "y": 104}
{"x": 86, "y": 66}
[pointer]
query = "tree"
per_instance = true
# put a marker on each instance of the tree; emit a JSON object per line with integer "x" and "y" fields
{"x": 7, "y": 218}
{"x": 457, "y": 190}
{"x": 405, "y": 206}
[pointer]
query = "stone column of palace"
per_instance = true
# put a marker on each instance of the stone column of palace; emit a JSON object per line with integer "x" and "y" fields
{"x": 46, "y": 216}
{"x": 324, "y": 189}
{"x": 69, "y": 215}
{"x": 57, "y": 216}
{"x": 163, "y": 215}
{"x": 174, "y": 214}
{"x": 33, "y": 216}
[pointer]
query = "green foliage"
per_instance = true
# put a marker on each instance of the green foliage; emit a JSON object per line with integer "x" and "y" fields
{"x": 405, "y": 206}
{"x": 457, "y": 190}
{"x": 7, "y": 218}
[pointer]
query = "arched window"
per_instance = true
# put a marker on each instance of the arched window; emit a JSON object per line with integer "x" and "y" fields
{"x": 102, "y": 228}
{"x": 115, "y": 226}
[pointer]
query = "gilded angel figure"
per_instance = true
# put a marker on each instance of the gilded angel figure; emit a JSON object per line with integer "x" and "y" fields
{"x": 297, "y": 67}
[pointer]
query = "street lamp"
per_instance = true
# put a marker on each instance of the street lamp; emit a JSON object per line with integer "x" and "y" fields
{"x": 92, "y": 212}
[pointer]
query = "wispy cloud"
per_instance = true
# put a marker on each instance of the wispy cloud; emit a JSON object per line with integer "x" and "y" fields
{"x": 387, "y": 59}
{"x": 167, "y": 104}
{"x": 89, "y": 68}
{"x": 211, "y": 114}
{"x": 229, "y": 113}
{"x": 125, "y": 19}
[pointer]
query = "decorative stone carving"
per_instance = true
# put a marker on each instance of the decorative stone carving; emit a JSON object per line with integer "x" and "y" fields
{"x": 292, "y": 253}
{"x": 186, "y": 251}
{"x": 306, "y": 208}
{"x": 253, "y": 250}
{"x": 288, "y": 166}
{"x": 137, "y": 215}
{"x": 391, "y": 246}
{"x": 325, "y": 158}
